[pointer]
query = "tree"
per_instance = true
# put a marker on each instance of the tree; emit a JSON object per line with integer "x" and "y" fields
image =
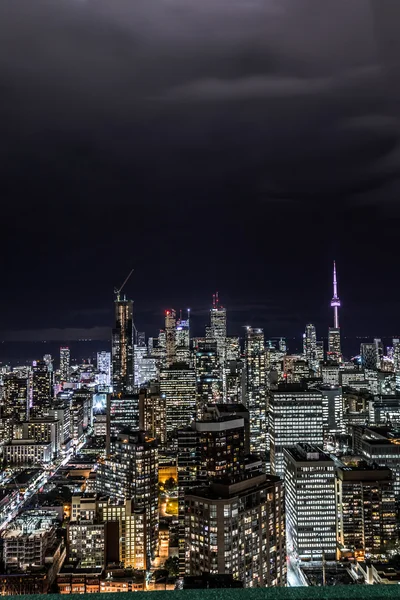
{"x": 170, "y": 484}
{"x": 172, "y": 566}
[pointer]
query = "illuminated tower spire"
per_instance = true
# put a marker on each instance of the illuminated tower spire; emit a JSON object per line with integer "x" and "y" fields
{"x": 335, "y": 302}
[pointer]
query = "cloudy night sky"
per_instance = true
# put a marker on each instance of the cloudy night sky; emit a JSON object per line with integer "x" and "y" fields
{"x": 231, "y": 145}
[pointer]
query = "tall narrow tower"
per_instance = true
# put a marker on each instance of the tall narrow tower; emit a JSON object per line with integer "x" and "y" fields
{"x": 334, "y": 345}
{"x": 335, "y": 302}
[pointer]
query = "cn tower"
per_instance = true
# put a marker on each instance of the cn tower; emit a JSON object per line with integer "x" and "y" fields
{"x": 335, "y": 302}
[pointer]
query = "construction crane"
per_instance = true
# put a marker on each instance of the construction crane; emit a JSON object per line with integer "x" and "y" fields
{"x": 117, "y": 291}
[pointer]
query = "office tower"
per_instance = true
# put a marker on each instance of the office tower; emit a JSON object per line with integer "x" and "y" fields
{"x": 295, "y": 416}
{"x": 216, "y": 332}
{"x": 104, "y": 368}
{"x": 49, "y": 362}
{"x": 334, "y": 345}
{"x": 131, "y": 473}
{"x": 232, "y": 348}
{"x": 152, "y": 413}
{"x": 332, "y": 410}
{"x": 235, "y": 381}
{"x": 42, "y": 387}
{"x": 320, "y": 351}
{"x": 15, "y": 397}
{"x": 310, "y": 503}
{"x": 237, "y": 528}
{"x": 182, "y": 337}
{"x": 170, "y": 336}
{"x": 221, "y": 445}
{"x": 60, "y": 410}
{"x": 366, "y": 508}
{"x": 256, "y": 389}
{"x": 157, "y": 349}
{"x": 122, "y": 412}
{"x": 139, "y": 353}
{"x": 178, "y": 387}
{"x": 208, "y": 373}
{"x": 379, "y": 445}
{"x": 122, "y": 346}
{"x": 282, "y": 345}
{"x": 368, "y": 352}
{"x": 65, "y": 364}
{"x": 310, "y": 346}
{"x": 141, "y": 338}
{"x": 330, "y": 373}
{"x": 378, "y": 352}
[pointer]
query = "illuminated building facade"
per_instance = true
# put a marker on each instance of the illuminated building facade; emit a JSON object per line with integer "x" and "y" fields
{"x": 310, "y": 502}
{"x": 310, "y": 346}
{"x": 256, "y": 389}
{"x": 104, "y": 368}
{"x": 217, "y": 331}
{"x": 122, "y": 346}
{"x": 42, "y": 387}
{"x": 152, "y": 413}
{"x": 65, "y": 364}
{"x": 122, "y": 412}
{"x": 15, "y": 397}
{"x": 237, "y": 528}
{"x": 366, "y": 508}
{"x": 170, "y": 337}
{"x": 131, "y": 473}
{"x": 208, "y": 373}
{"x": 334, "y": 344}
{"x": 178, "y": 387}
{"x": 295, "y": 416}
{"x": 182, "y": 338}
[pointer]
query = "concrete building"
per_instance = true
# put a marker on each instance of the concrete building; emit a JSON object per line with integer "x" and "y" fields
{"x": 310, "y": 502}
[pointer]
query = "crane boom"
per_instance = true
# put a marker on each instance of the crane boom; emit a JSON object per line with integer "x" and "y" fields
{"x": 118, "y": 291}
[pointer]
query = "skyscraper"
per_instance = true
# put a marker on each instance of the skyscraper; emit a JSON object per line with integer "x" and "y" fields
{"x": 256, "y": 389}
{"x": 310, "y": 346}
{"x": 182, "y": 338}
{"x": 218, "y": 327}
{"x": 104, "y": 367}
{"x": 295, "y": 415}
{"x": 42, "y": 387}
{"x": 178, "y": 387}
{"x": 208, "y": 373}
{"x": 310, "y": 502}
{"x": 65, "y": 364}
{"x": 122, "y": 346}
{"x": 334, "y": 345}
{"x": 170, "y": 336}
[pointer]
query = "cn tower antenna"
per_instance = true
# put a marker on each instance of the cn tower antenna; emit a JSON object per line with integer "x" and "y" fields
{"x": 335, "y": 302}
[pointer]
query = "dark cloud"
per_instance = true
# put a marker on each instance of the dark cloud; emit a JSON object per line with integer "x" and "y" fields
{"x": 203, "y": 142}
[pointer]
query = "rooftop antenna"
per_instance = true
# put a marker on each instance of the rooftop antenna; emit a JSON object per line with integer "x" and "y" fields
{"x": 118, "y": 291}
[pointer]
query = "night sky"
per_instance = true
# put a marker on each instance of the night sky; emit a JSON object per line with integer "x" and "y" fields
{"x": 231, "y": 145}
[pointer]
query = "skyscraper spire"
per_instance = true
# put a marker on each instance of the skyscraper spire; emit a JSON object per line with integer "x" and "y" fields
{"x": 335, "y": 302}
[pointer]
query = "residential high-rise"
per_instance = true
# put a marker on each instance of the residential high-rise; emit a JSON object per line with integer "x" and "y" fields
{"x": 178, "y": 387}
{"x": 334, "y": 344}
{"x": 122, "y": 346}
{"x": 104, "y": 367}
{"x": 131, "y": 473}
{"x": 295, "y": 416}
{"x": 122, "y": 412}
{"x": 152, "y": 413}
{"x": 256, "y": 389}
{"x": 170, "y": 336}
{"x": 366, "y": 507}
{"x": 221, "y": 445}
{"x": 15, "y": 397}
{"x": 237, "y": 528}
{"x": 42, "y": 387}
{"x": 65, "y": 364}
{"x": 310, "y": 502}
